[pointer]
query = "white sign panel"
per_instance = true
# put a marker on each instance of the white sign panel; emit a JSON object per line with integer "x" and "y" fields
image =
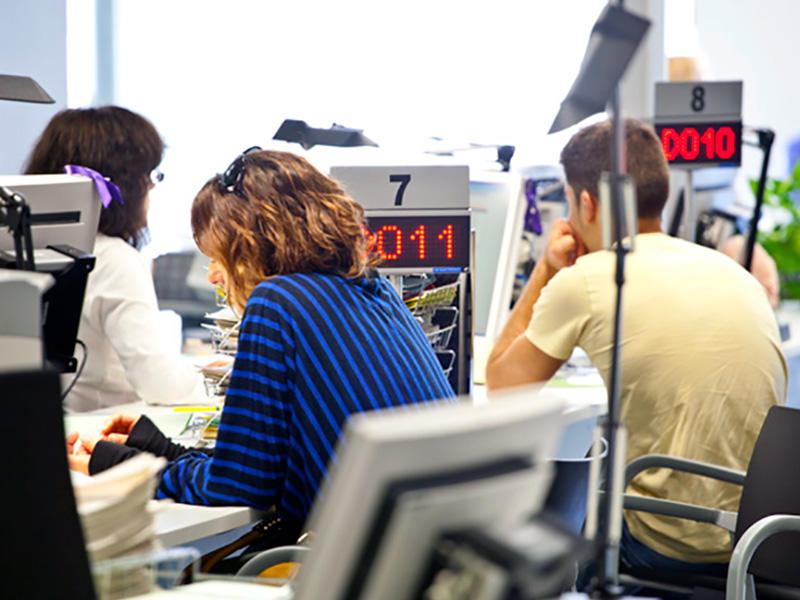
{"x": 699, "y": 101}
{"x": 406, "y": 188}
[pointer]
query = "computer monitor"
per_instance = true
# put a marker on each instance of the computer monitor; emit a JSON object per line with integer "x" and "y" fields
{"x": 499, "y": 205}
{"x": 43, "y": 554}
{"x": 405, "y": 478}
{"x": 65, "y": 210}
{"x": 497, "y": 217}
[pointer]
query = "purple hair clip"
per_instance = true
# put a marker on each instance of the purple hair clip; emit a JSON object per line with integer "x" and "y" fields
{"x": 107, "y": 189}
{"x": 533, "y": 220}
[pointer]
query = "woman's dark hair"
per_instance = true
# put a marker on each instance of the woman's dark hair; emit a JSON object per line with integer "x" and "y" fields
{"x": 286, "y": 217}
{"x": 588, "y": 154}
{"x": 114, "y": 141}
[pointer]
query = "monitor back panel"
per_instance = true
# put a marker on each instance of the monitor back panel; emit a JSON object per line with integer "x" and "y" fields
{"x": 65, "y": 209}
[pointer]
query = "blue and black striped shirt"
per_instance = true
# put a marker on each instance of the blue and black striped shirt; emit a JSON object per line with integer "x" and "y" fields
{"x": 313, "y": 349}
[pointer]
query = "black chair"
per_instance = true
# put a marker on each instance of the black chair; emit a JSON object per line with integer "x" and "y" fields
{"x": 172, "y": 278}
{"x": 765, "y": 531}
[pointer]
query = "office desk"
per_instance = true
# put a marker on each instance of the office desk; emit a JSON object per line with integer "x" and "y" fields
{"x": 176, "y": 524}
{"x": 182, "y": 524}
{"x": 585, "y": 403}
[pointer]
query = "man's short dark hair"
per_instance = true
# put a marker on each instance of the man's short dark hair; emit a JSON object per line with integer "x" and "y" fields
{"x": 587, "y": 155}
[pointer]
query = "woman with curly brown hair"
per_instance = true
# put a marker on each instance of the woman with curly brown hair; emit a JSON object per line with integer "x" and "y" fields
{"x": 323, "y": 336}
{"x": 126, "y": 359}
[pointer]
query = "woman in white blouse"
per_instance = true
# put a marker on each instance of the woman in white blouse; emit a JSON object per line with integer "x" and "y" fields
{"x": 127, "y": 361}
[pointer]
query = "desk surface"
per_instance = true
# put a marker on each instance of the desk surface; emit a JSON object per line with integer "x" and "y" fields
{"x": 179, "y": 524}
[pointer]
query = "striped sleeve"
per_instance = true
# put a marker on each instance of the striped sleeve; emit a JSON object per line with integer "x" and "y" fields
{"x": 248, "y": 465}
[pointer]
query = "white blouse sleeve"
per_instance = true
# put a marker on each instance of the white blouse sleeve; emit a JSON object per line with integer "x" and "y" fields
{"x": 128, "y": 312}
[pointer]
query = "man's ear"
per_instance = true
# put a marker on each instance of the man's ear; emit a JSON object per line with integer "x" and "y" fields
{"x": 590, "y": 207}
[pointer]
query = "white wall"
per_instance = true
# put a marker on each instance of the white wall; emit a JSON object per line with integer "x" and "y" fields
{"x": 755, "y": 42}
{"x": 34, "y": 45}
{"x": 217, "y": 77}
{"x": 648, "y": 64}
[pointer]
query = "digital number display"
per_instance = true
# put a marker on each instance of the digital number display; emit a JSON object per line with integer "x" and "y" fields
{"x": 693, "y": 143}
{"x": 405, "y": 242}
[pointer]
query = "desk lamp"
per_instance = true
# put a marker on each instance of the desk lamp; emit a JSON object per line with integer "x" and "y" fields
{"x": 299, "y": 131}
{"x": 23, "y": 89}
{"x": 14, "y": 211}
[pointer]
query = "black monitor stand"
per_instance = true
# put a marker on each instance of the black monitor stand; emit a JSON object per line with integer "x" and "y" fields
{"x": 62, "y": 305}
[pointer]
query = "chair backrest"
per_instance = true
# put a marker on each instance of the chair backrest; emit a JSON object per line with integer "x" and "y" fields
{"x": 772, "y": 487}
{"x": 169, "y": 276}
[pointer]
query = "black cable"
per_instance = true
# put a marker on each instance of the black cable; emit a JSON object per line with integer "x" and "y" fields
{"x": 79, "y": 371}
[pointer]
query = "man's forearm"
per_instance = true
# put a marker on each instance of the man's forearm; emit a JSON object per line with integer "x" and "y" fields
{"x": 523, "y": 310}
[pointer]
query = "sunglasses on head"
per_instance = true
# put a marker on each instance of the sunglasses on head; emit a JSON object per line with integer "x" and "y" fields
{"x": 231, "y": 180}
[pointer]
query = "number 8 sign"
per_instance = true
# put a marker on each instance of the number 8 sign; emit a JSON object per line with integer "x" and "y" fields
{"x": 699, "y": 123}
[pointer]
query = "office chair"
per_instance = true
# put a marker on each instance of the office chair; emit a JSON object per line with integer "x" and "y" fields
{"x": 270, "y": 558}
{"x": 174, "y": 276}
{"x": 766, "y": 530}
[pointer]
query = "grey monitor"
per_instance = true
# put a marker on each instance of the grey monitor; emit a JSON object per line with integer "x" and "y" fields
{"x": 405, "y": 478}
{"x": 65, "y": 209}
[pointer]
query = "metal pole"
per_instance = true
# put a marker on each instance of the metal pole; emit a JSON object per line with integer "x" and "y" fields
{"x": 765, "y": 139}
{"x": 610, "y": 523}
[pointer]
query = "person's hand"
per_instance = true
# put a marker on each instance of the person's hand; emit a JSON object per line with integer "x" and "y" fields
{"x": 218, "y": 363}
{"x": 118, "y": 427}
{"x": 78, "y": 456}
{"x": 564, "y": 246}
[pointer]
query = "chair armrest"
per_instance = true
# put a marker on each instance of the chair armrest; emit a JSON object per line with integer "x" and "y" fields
{"x": 686, "y": 465}
{"x": 681, "y": 510}
{"x": 746, "y": 547}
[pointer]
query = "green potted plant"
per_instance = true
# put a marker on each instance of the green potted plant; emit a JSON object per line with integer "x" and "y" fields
{"x": 782, "y": 242}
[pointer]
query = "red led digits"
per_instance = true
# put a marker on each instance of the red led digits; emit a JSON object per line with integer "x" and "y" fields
{"x": 715, "y": 144}
{"x": 689, "y": 151}
{"x": 671, "y": 142}
{"x": 726, "y": 143}
{"x": 430, "y": 241}
{"x": 708, "y": 142}
{"x": 447, "y": 236}
{"x": 380, "y": 243}
{"x": 419, "y": 234}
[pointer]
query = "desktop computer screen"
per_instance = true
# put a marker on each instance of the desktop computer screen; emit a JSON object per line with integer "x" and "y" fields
{"x": 65, "y": 211}
{"x": 403, "y": 479}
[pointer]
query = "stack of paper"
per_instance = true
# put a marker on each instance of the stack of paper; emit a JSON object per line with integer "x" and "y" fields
{"x": 225, "y": 340}
{"x": 113, "y": 508}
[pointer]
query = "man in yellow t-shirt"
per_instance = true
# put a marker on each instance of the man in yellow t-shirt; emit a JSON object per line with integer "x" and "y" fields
{"x": 700, "y": 358}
